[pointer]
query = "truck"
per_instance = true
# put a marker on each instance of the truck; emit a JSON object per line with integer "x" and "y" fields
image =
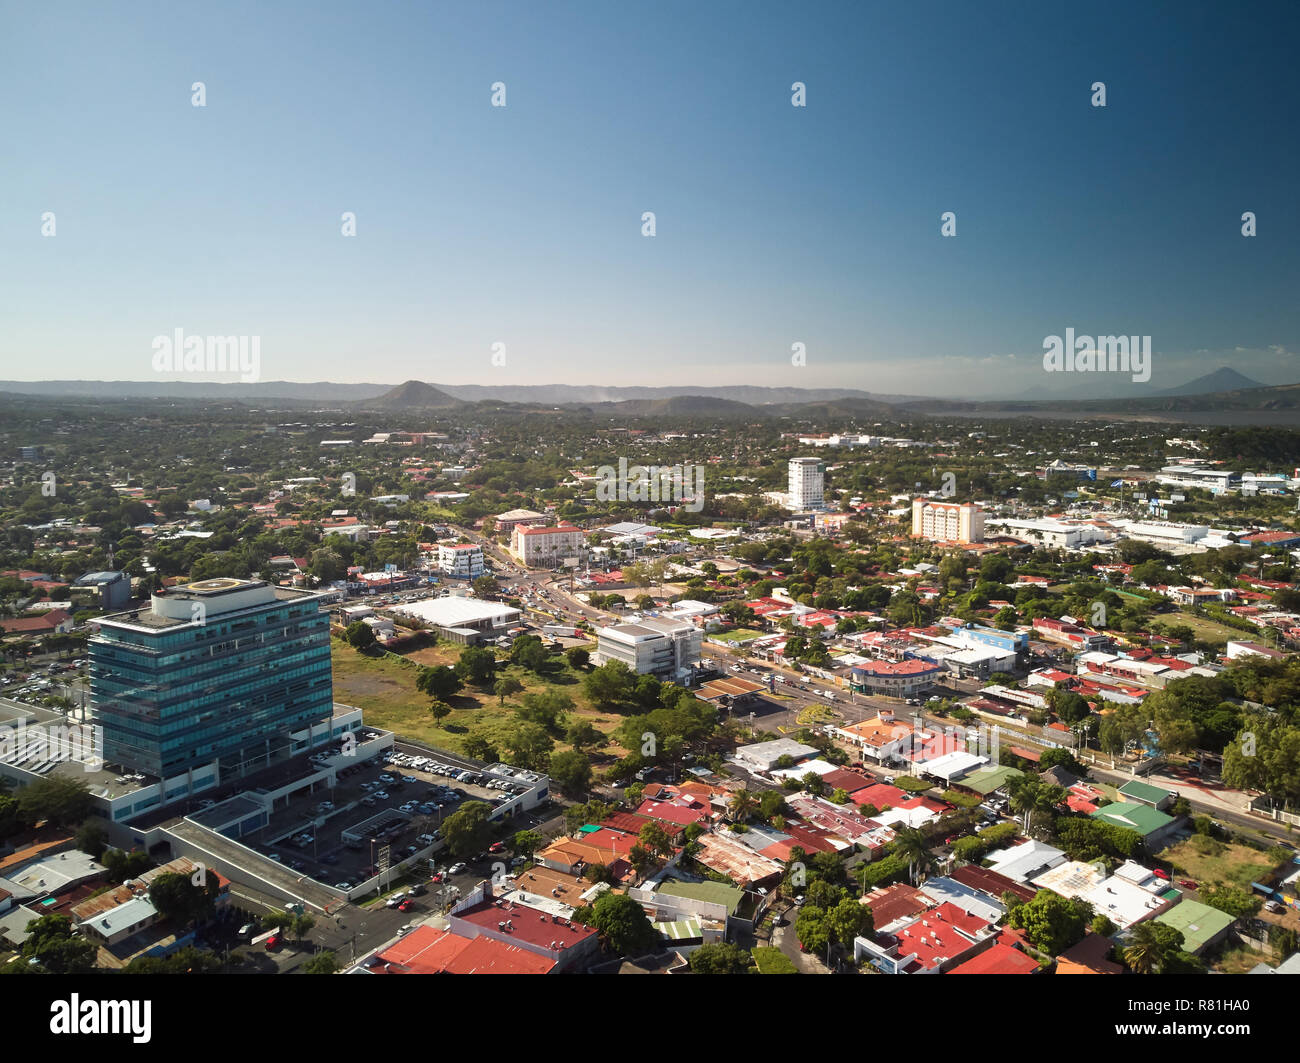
{"x": 567, "y": 630}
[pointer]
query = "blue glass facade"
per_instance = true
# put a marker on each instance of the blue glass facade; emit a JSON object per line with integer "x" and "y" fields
{"x": 230, "y": 687}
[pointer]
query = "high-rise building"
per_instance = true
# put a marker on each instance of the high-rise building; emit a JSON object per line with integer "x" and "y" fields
{"x": 219, "y": 670}
{"x": 954, "y": 522}
{"x": 807, "y": 483}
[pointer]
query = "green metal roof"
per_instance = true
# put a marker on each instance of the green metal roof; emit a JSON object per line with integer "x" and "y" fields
{"x": 714, "y": 892}
{"x": 1198, "y": 922}
{"x": 1144, "y": 791}
{"x": 1142, "y": 818}
{"x": 986, "y": 780}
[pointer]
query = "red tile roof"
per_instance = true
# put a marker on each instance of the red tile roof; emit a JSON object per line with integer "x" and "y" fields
{"x": 526, "y": 923}
{"x": 1000, "y": 959}
{"x": 427, "y": 950}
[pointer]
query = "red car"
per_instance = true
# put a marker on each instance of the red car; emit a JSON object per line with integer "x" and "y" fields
{"x": 1187, "y": 883}
{"x": 437, "y": 878}
{"x": 1159, "y": 873}
{"x": 951, "y": 838}
{"x": 497, "y": 847}
{"x": 405, "y": 906}
{"x": 272, "y": 941}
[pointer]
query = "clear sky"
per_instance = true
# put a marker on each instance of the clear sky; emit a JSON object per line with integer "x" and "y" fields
{"x": 774, "y": 224}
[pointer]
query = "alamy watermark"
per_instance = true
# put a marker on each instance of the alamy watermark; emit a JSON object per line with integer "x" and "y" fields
{"x": 683, "y": 484}
{"x": 179, "y": 353}
{"x": 28, "y": 745}
{"x": 1105, "y": 354}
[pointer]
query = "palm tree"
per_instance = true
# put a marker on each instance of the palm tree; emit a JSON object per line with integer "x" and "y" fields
{"x": 741, "y": 805}
{"x": 910, "y": 843}
{"x": 1144, "y": 951}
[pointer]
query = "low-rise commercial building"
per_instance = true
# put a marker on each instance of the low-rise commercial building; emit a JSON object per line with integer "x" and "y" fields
{"x": 654, "y": 646}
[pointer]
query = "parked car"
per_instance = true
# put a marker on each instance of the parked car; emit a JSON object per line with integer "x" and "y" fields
{"x": 1160, "y": 873}
{"x": 457, "y": 869}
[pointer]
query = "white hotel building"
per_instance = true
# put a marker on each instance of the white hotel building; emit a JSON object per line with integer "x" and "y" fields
{"x": 951, "y": 522}
{"x": 547, "y": 547}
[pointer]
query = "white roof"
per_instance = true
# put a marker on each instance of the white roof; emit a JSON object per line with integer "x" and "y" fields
{"x": 1028, "y": 858}
{"x": 953, "y": 765}
{"x": 131, "y": 912}
{"x": 821, "y": 767}
{"x": 453, "y": 612}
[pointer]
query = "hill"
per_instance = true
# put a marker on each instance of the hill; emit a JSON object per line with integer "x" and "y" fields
{"x": 412, "y": 395}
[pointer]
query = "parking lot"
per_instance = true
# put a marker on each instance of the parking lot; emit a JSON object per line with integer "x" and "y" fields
{"x": 399, "y": 800}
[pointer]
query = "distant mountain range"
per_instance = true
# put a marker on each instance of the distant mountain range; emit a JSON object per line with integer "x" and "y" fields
{"x": 1222, "y": 379}
{"x": 1224, "y": 389}
{"x": 1121, "y": 386}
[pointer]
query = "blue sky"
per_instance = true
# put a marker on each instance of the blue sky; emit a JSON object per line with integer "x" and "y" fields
{"x": 775, "y": 224}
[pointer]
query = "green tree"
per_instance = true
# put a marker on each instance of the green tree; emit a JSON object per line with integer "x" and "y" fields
{"x": 655, "y": 838}
{"x": 468, "y": 829}
{"x": 527, "y": 842}
{"x": 188, "y": 960}
{"x": 440, "y": 682}
{"x": 1051, "y": 922}
{"x": 578, "y": 656}
{"x": 1149, "y": 945}
{"x": 570, "y": 770}
{"x": 505, "y": 687}
{"x": 324, "y": 962}
{"x": 911, "y": 845}
{"x": 359, "y": 635}
{"x": 1235, "y": 900}
{"x": 179, "y": 899}
{"x": 92, "y": 839}
{"x": 547, "y": 708}
{"x": 52, "y": 944}
{"x": 529, "y": 652}
{"x": 477, "y": 665}
{"x": 581, "y": 735}
{"x": 609, "y": 685}
{"x": 623, "y": 924}
{"x": 850, "y": 918}
{"x": 529, "y": 745}
{"x": 720, "y": 957}
{"x": 60, "y": 800}
{"x": 741, "y": 805}
{"x": 480, "y": 747}
{"x": 812, "y": 928}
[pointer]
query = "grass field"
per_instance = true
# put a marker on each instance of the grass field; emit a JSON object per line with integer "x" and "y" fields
{"x": 384, "y": 689}
{"x": 1205, "y": 629}
{"x": 1239, "y": 959}
{"x": 1237, "y": 864}
{"x": 741, "y": 634}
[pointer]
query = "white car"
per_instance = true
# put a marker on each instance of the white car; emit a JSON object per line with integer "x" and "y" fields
{"x": 457, "y": 869}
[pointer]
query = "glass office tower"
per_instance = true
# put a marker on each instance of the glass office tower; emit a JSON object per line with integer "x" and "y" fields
{"x": 221, "y": 669}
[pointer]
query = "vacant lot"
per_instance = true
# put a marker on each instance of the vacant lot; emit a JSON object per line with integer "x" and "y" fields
{"x": 384, "y": 689}
{"x": 1205, "y": 629}
{"x": 1223, "y": 862}
{"x": 740, "y": 634}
